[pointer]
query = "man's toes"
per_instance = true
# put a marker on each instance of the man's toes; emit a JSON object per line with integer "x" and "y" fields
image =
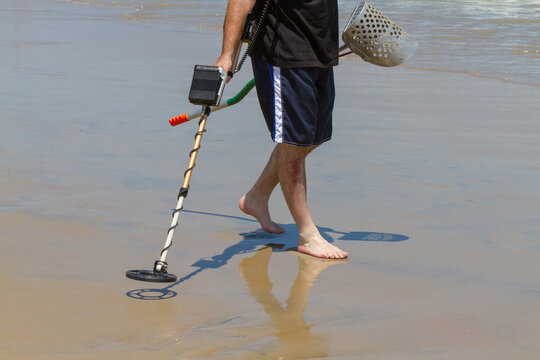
{"x": 338, "y": 253}
{"x": 333, "y": 252}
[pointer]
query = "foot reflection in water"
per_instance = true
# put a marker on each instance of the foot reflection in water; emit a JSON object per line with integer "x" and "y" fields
{"x": 293, "y": 333}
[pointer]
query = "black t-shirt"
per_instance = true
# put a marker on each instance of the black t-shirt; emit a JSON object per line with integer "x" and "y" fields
{"x": 298, "y": 33}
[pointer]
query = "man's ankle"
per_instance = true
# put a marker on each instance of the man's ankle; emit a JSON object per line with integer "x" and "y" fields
{"x": 308, "y": 234}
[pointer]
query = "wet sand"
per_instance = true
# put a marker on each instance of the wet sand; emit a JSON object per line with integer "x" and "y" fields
{"x": 430, "y": 183}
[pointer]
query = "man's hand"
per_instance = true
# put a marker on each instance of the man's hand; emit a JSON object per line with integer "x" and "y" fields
{"x": 226, "y": 63}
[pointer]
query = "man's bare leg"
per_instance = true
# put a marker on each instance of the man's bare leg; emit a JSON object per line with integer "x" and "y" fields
{"x": 291, "y": 171}
{"x": 287, "y": 167}
{"x": 255, "y": 202}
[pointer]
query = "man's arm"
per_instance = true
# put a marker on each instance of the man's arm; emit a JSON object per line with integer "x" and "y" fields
{"x": 237, "y": 11}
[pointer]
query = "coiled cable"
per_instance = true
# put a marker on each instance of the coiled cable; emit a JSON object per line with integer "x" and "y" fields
{"x": 254, "y": 35}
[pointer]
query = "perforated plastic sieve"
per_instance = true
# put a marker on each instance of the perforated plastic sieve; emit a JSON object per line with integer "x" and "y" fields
{"x": 376, "y": 38}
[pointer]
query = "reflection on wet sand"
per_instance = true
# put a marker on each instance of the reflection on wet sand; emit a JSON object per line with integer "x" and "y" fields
{"x": 293, "y": 333}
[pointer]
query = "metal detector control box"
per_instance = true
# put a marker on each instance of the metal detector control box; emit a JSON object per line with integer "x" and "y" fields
{"x": 207, "y": 85}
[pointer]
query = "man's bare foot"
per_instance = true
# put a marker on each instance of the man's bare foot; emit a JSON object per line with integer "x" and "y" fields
{"x": 316, "y": 245}
{"x": 259, "y": 210}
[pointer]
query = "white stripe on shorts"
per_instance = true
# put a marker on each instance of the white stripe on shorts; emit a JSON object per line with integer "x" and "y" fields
{"x": 278, "y": 111}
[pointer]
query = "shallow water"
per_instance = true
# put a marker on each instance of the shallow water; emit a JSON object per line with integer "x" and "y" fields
{"x": 493, "y": 38}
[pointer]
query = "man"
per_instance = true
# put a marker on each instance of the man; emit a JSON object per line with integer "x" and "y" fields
{"x": 292, "y": 60}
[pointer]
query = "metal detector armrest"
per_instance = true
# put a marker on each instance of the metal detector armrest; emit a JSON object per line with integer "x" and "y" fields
{"x": 207, "y": 85}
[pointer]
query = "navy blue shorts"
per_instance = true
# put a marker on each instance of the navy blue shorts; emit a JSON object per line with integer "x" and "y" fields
{"x": 297, "y": 103}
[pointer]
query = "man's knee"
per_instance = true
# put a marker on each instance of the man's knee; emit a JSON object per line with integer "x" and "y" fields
{"x": 295, "y": 151}
{"x": 291, "y": 161}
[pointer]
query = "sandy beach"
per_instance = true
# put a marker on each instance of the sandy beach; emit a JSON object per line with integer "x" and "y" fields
{"x": 430, "y": 183}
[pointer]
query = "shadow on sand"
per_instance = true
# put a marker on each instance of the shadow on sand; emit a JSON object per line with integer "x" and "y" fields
{"x": 252, "y": 241}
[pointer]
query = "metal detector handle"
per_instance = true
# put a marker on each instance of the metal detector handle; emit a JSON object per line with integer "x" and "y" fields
{"x": 177, "y": 120}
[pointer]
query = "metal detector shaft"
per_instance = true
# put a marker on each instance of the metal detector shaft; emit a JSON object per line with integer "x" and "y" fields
{"x": 161, "y": 264}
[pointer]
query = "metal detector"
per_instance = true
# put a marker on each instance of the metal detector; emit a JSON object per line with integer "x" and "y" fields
{"x": 206, "y": 90}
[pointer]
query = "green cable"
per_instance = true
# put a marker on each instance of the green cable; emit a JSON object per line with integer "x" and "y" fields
{"x": 242, "y": 93}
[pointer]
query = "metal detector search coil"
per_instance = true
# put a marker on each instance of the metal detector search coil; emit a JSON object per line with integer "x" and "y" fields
{"x": 206, "y": 90}
{"x": 376, "y": 38}
{"x": 207, "y": 85}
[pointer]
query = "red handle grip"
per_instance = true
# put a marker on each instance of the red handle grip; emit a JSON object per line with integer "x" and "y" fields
{"x": 177, "y": 120}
